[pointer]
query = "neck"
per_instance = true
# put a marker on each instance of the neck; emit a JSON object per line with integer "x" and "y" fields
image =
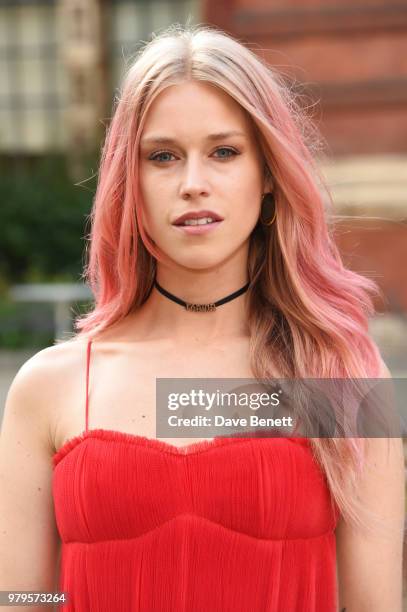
{"x": 167, "y": 319}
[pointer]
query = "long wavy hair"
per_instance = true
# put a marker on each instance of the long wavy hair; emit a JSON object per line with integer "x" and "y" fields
{"x": 308, "y": 314}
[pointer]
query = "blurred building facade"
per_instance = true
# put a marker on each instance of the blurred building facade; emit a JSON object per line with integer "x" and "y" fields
{"x": 61, "y": 61}
{"x": 349, "y": 55}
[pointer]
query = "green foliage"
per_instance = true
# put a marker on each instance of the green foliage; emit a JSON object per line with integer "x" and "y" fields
{"x": 43, "y": 220}
{"x": 43, "y": 226}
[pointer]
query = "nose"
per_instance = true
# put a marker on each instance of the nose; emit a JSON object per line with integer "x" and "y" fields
{"x": 194, "y": 182}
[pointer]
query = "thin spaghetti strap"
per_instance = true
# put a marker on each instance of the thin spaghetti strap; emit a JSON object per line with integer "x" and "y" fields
{"x": 87, "y": 383}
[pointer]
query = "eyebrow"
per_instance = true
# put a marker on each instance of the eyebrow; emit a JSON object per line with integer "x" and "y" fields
{"x": 211, "y": 137}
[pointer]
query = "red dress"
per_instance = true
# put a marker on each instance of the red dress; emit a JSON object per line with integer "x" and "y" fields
{"x": 223, "y": 525}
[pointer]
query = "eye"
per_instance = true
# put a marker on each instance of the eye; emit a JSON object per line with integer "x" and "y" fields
{"x": 229, "y": 152}
{"x": 159, "y": 154}
{"x": 156, "y": 156}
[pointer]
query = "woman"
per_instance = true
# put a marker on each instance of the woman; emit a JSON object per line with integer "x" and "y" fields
{"x": 203, "y": 128}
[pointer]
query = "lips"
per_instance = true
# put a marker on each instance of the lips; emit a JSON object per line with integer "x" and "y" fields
{"x": 197, "y": 215}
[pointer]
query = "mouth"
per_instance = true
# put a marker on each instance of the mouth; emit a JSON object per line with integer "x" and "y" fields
{"x": 197, "y": 226}
{"x": 197, "y": 217}
{"x": 199, "y": 221}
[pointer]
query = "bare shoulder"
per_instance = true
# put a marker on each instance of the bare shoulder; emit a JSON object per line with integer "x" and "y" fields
{"x": 39, "y": 385}
{"x": 26, "y": 470}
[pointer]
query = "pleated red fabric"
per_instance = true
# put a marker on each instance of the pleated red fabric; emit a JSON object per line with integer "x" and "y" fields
{"x": 223, "y": 525}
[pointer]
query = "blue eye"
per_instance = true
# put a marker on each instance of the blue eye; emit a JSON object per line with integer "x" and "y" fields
{"x": 156, "y": 156}
{"x": 164, "y": 156}
{"x": 228, "y": 150}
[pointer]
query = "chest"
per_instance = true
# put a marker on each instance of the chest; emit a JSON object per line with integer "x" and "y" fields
{"x": 122, "y": 383}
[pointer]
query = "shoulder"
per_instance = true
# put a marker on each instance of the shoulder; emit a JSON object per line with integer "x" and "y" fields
{"x": 40, "y": 382}
{"x": 48, "y": 366}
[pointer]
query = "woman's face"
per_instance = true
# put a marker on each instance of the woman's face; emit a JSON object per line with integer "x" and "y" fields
{"x": 198, "y": 152}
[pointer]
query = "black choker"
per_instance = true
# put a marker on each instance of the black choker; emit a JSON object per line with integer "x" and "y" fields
{"x": 201, "y": 307}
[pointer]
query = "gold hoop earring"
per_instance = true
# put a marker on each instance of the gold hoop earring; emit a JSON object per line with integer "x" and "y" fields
{"x": 266, "y": 202}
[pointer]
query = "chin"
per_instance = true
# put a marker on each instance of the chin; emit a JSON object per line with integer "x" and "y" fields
{"x": 198, "y": 262}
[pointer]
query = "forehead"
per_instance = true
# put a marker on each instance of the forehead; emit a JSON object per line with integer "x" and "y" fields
{"x": 195, "y": 106}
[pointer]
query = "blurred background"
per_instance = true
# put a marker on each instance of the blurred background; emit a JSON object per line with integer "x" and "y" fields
{"x": 61, "y": 62}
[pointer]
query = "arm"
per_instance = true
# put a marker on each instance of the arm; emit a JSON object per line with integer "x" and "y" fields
{"x": 370, "y": 566}
{"x": 29, "y": 541}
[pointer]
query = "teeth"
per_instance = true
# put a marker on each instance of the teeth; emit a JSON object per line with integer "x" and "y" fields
{"x": 202, "y": 221}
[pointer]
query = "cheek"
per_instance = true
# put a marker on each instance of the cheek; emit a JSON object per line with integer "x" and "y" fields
{"x": 247, "y": 192}
{"x": 153, "y": 200}
{"x": 153, "y": 219}
{"x": 146, "y": 184}
{"x": 250, "y": 171}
